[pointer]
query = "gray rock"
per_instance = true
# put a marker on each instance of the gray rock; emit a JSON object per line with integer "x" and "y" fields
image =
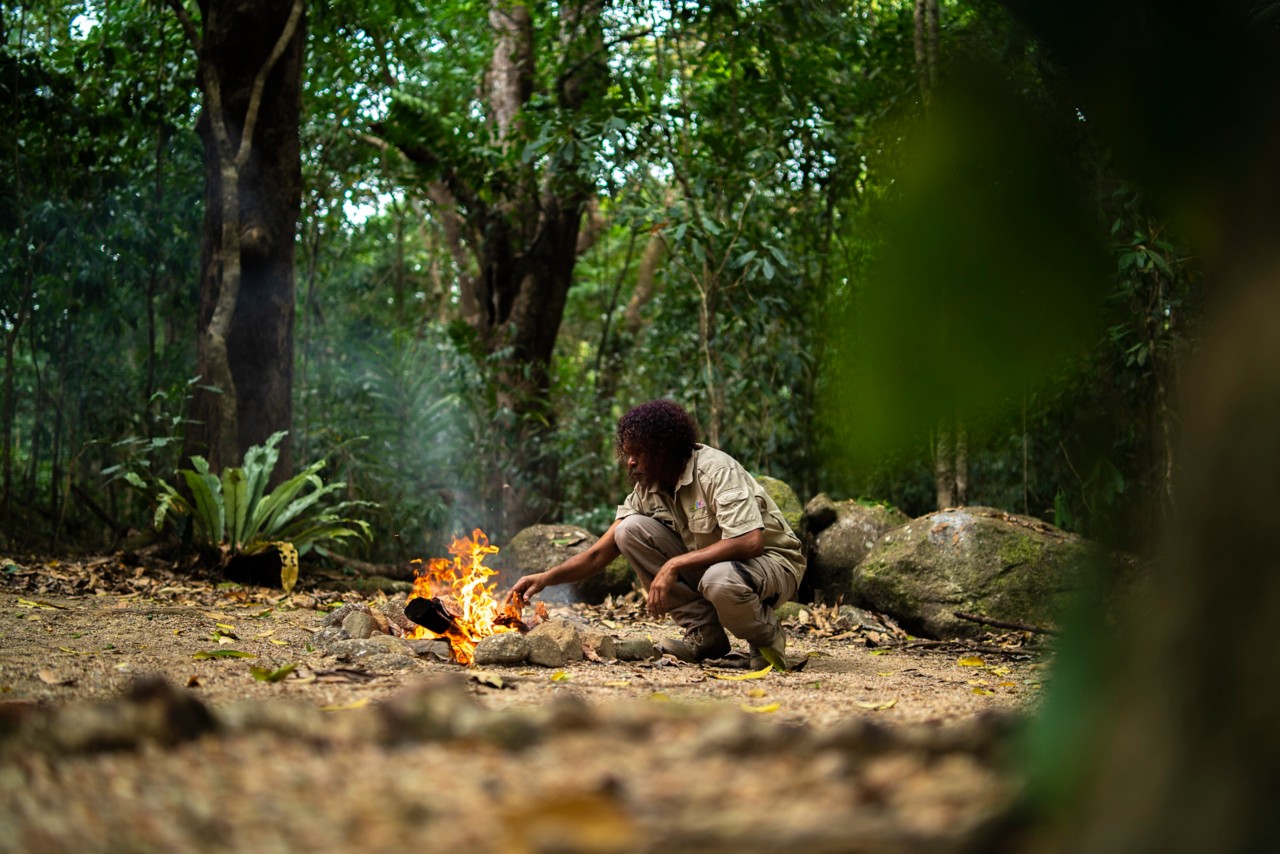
{"x": 339, "y": 614}
{"x": 554, "y": 643}
{"x": 842, "y": 545}
{"x": 432, "y": 648}
{"x": 359, "y": 624}
{"x": 599, "y": 645}
{"x": 974, "y": 559}
{"x": 503, "y": 648}
{"x": 329, "y": 635}
{"x": 377, "y": 645}
{"x": 634, "y": 649}
{"x": 436, "y": 710}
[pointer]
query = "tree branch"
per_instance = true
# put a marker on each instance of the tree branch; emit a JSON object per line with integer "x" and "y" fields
{"x": 260, "y": 82}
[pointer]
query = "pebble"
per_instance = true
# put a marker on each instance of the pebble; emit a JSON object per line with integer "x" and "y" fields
{"x": 359, "y": 624}
{"x": 634, "y": 649}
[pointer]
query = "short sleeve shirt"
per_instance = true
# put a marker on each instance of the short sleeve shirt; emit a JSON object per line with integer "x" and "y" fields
{"x": 716, "y": 499}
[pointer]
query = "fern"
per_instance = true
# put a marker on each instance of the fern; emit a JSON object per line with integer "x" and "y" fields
{"x": 236, "y": 515}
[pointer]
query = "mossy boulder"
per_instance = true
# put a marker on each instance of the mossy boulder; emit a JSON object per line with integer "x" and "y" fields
{"x": 541, "y": 547}
{"x": 977, "y": 560}
{"x": 840, "y": 534}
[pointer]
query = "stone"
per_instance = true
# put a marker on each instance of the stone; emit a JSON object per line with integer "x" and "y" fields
{"x": 634, "y": 649}
{"x": 788, "y": 610}
{"x": 431, "y": 647}
{"x": 973, "y": 559}
{"x": 599, "y": 645}
{"x": 355, "y": 649}
{"x": 554, "y": 643}
{"x": 841, "y": 546}
{"x": 359, "y": 624}
{"x": 328, "y": 635}
{"x": 502, "y": 648}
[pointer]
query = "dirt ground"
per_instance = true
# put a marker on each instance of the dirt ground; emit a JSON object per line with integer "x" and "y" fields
{"x": 880, "y": 743}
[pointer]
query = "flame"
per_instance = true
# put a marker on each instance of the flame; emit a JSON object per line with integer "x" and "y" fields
{"x": 459, "y": 584}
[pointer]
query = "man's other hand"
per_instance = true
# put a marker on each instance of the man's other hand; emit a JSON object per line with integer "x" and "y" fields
{"x": 660, "y": 589}
{"x": 529, "y": 586}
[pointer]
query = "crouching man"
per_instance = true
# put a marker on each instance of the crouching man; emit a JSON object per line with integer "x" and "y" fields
{"x": 708, "y": 544}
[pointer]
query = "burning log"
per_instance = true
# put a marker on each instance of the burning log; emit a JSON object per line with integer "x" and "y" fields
{"x": 431, "y": 614}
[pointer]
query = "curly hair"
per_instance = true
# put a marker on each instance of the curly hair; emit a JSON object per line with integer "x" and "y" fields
{"x": 661, "y": 432}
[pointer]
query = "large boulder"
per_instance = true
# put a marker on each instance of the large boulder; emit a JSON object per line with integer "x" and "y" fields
{"x": 840, "y": 534}
{"x": 541, "y": 547}
{"x": 976, "y": 560}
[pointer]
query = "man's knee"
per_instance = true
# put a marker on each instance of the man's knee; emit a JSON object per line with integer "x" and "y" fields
{"x": 629, "y": 528}
{"x": 725, "y": 583}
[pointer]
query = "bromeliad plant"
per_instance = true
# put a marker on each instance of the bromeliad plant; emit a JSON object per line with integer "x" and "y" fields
{"x": 235, "y": 515}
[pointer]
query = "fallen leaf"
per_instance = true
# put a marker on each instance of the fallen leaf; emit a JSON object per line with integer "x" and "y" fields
{"x": 221, "y": 653}
{"x": 485, "y": 677}
{"x": 36, "y": 603}
{"x": 263, "y": 674}
{"x": 738, "y": 677}
{"x": 984, "y": 692}
{"x": 48, "y": 677}
{"x": 757, "y": 693}
{"x": 560, "y": 676}
{"x": 358, "y": 704}
{"x": 971, "y": 661}
{"x": 878, "y": 707}
{"x": 761, "y": 710}
{"x": 278, "y": 642}
{"x": 777, "y": 661}
{"x": 620, "y": 683}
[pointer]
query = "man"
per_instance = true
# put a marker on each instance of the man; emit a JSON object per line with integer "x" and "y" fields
{"x": 708, "y": 544}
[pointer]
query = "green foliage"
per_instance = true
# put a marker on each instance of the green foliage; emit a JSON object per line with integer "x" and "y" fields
{"x": 233, "y": 513}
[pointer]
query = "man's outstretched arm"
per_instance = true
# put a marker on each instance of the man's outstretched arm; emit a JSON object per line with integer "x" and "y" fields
{"x": 581, "y": 566}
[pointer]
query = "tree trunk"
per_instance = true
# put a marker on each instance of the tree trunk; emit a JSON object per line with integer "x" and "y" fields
{"x": 250, "y": 65}
{"x": 523, "y": 231}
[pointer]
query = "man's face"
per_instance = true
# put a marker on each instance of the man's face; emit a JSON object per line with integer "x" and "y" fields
{"x": 638, "y": 467}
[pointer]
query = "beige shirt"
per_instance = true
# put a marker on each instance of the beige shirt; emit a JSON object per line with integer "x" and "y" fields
{"x": 716, "y": 499}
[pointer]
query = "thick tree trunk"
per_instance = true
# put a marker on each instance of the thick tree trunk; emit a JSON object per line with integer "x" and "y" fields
{"x": 253, "y": 193}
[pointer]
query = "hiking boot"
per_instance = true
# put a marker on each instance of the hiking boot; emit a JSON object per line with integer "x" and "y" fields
{"x": 699, "y": 644}
{"x": 776, "y": 649}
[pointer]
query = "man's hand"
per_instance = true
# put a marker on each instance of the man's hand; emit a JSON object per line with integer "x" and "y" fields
{"x": 660, "y": 589}
{"x": 529, "y": 586}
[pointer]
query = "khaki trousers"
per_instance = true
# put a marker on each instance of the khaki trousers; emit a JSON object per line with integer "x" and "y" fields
{"x": 738, "y": 595}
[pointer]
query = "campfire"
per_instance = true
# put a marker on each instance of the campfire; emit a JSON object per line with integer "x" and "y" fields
{"x": 452, "y": 599}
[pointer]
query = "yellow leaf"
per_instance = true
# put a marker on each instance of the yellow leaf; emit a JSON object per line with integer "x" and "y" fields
{"x": 1006, "y": 684}
{"x": 879, "y": 651}
{"x": 485, "y": 677}
{"x": 559, "y": 676}
{"x": 878, "y": 707}
{"x": 984, "y": 692}
{"x": 999, "y": 671}
{"x": 278, "y": 642}
{"x": 757, "y": 693}
{"x": 34, "y": 603}
{"x": 884, "y": 673}
{"x": 970, "y": 661}
{"x": 659, "y": 697}
{"x": 738, "y": 677}
{"x": 620, "y": 683}
{"x": 288, "y": 565}
{"x": 358, "y": 704}
{"x": 761, "y": 710}
{"x": 226, "y": 626}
